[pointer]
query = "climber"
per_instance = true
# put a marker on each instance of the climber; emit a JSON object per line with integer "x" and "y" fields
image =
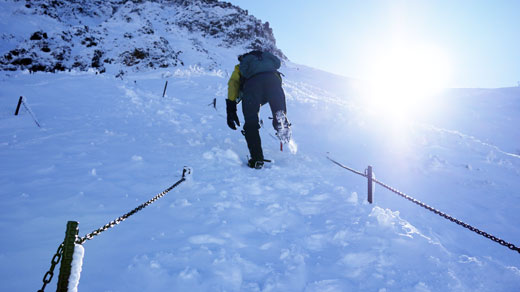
{"x": 255, "y": 81}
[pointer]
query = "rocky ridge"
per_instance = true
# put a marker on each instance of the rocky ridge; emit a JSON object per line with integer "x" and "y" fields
{"x": 119, "y": 36}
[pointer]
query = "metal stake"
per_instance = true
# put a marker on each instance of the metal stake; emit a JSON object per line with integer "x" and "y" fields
{"x": 370, "y": 184}
{"x": 164, "y": 91}
{"x": 18, "y": 106}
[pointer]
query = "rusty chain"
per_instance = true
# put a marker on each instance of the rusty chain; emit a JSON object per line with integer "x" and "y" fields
{"x": 55, "y": 260}
{"x": 427, "y": 207}
{"x": 113, "y": 223}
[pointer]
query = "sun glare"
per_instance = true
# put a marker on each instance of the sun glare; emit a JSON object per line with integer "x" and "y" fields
{"x": 403, "y": 80}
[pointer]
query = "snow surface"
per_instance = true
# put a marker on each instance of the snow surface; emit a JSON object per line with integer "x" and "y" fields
{"x": 301, "y": 224}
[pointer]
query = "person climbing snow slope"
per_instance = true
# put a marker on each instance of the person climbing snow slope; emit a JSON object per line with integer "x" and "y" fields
{"x": 256, "y": 81}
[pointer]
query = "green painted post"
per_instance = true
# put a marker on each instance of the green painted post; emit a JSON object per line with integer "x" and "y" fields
{"x": 66, "y": 260}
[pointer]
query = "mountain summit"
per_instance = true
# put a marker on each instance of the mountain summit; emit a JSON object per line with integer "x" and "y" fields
{"x": 122, "y": 35}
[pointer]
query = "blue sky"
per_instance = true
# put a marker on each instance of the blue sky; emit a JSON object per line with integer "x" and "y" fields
{"x": 478, "y": 40}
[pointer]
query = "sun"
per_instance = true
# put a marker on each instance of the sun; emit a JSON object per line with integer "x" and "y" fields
{"x": 403, "y": 79}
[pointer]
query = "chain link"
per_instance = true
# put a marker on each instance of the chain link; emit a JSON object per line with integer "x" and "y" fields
{"x": 55, "y": 260}
{"x": 452, "y": 219}
{"x": 113, "y": 223}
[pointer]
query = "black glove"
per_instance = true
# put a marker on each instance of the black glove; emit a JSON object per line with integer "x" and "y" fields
{"x": 232, "y": 118}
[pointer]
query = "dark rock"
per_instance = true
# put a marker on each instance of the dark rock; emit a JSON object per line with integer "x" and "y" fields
{"x": 139, "y": 54}
{"x": 38, "y": 67}
{"x": 36, "y": 36}
{"x": 58, "y": 67}
{"x": 22, "y": 62}
{"x": 96, "y": 59}
{"x": 89, "y": 42}
{"x": 134, "y": 57}
{"x": 79, "y": 65}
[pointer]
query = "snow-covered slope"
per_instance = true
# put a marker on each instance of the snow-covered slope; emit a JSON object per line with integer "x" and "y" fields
{"x": 301, "y": 224}
{"x": 109, "y": 142}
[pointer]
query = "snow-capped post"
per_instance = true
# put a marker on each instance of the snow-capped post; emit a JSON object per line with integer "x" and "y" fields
{"x": 370, "y": 183}
{"x": 18, "y": 106}
{"x": 164, "y": 91}
{"x": 68, "y": 251}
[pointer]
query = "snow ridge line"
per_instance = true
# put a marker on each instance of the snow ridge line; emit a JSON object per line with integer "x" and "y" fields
{"x": 427, "y": 207}
{"x": 185, "y": 171}
{"x": 476, "y": 140}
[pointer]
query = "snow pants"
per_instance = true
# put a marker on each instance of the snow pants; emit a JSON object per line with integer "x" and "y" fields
{"x": 258, "y": 90}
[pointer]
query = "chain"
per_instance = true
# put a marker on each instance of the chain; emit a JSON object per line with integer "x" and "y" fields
{"x": 113, "y": 223}
{"x": 30, "y": 112}
{"x": 55, "y": 260}
{"x": 346, "y": 167}
{"x": 454, "y": 220}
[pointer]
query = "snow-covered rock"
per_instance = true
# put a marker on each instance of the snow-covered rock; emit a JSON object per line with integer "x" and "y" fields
{"x": 121, "y": 36}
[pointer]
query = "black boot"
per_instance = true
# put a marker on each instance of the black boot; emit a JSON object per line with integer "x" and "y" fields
{"x": 255, "y": 163}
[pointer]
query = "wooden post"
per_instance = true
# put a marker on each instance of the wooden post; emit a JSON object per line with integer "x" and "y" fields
{"x": 370, "y": 184}
{"x": 66, "y": 259}
{"x": 18, "y": 106}
{"x": 164, "y": 91}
